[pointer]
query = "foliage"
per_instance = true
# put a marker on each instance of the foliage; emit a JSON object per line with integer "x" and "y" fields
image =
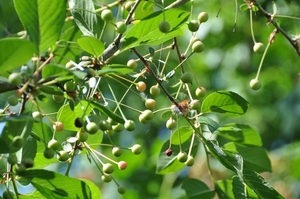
{"x": 71, "y": 102}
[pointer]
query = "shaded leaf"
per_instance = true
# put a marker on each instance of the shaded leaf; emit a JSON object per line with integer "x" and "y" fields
{"x": 43, "y": 20}
{"x": 114, "y": 69}
{"x": 238, "y": 188}
{"x": 225, "y": 102}
{"x": 195, "y": 189}
{"x": 212, "y": 125}
{"x": 53, "y": 70}
{"x": 107, "y": 112}
{"x": 14, "y": 53}
{"x": 224, "y": 189}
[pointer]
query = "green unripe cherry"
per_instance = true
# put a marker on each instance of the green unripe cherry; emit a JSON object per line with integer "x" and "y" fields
{"x": 164, "y": 26}
{"x": 63, "y": 156}
{"x": 107, "y": 15}
{"x": 70, "y": 86}
{"x": 186, "y": 77}
{"x": 37, "y": 116}
{"x": 259, "y": 48}
{"x": 147, "y": 114}
{"x": 18, "y": 142}
{"x": 92, "y": 127}
{"x": 154, "y": 90}
{"x": 128, "y": 5}
{"x": 150, "y": 103}
{"x": 141, "y": 86}
{"x": 105, "y": 125}
{"x": 121, "y": 27}
{"x": 182, "y": 157}
{"x": 197, "y": 47}
{"x": 255, "y": 84}
{"x": 58, "y": 98}
{"x": 118, "y": 127}
{"x": 132, "y": 64}
{"x": 117, "y": 151}
{"x": 129, "y": 125}
{"x": 53, "y": 144}
{"x": 136, "y": 149}
{"x": 106, "y": 178}
{"x": 13, "y": 100}
{"x": 12, "y": 159}
{"x": 121, "y": 189}
{"x": 190, "y": 161}
{"x": 193, "y": 25}
{"x": 49, "y": 153}
{"x": 19, "y": 168}
{"x": 171, "y": 123}
{"x": 82, "y": 136}
{"x": 7, "y": 194}
{"x": 200, "y": 92}
{"x": 203, "y": 17}
{"x": 108, "y": 168}
{"x": 15, "y": 79}
{"x": 195, "y": 104}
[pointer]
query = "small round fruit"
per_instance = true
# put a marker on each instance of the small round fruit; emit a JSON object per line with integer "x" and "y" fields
{"x": 150, "y": 103}
{"x": 182, "y": 157}
{"x": 148, "y": 115}
{"x": 111, "y": 121}
{"x": 15, "y": 79}
{"x": 117, "y": 151}
{"x": 70, "y": 86}
{"x": 132, "y": 64}
{"x": 13, "y": 100}
{"x": 141, "y": 86}
{"x": 128, "y": 5}
{"x": 255, "y": 84}
{"x": 105, "y": 125}
{"x": 18, "y": 142}
{"x": 106, "y": 178}
{"x": 155, "y": 90}
{"x": 190, "y": 161}
{"x": 7, "y": 194}
{"x": 108, "y": 168}
{"x": 136, "y": 149}
{"x": 259, "y": 48}
{"x": 198, "y": 47}
{"x": 37, "y": 116}
{"x": 186, "y": 77}
{"x": 63, "y": 156}
{"x": 118, "y": 127}
{"x": 19, "y": 168}
{"x": 129, "y": 125}
{"x": 193, "y": 39}
{"x": 28, "y": 162}
{"x": 82, "y": 136}
{"x": 164, "y": 27}
{"x": 203, "y": 17}
{"x": 195, "y": 104}
{"x": 58, "y": 126}
{"x": 171, "y": 123}
{"x": 92, "y": 128}
{"x": 122, "y": 165}
{"x": 200, "y": 92}
{"x": 121, "y": 27}
{"x": 78, "y": 122}
{"x": 193, "y": 25}
{"x": 168, "y": 152}
{"x": 58, "y": 98}
{"x": 109, "y": 132}
{"x": 49, "y": 153}
{"x": 12, "y": 159}
{"x": 121, "y": 189}
{"x": 142, "y": 119}
{"x": 69, "y": 65}
{"x": 107, "y": 15}
{"x": 53, "y": 144}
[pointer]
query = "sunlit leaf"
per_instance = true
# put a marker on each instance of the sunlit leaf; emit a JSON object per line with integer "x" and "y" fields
{"x": 43, "y": 20}
{"x": 225, "y": 102}
{"x": 181, "y": 134}
{"x": 195, "y": 189}
{"x": 14, "y": 53}
{"x": 91, "y": 45}
{"x": 107, "y": 112}
{"x": 53, "y": 70}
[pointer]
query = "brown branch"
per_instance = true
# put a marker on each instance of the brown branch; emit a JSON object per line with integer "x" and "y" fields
{"x": 270, "y": 18}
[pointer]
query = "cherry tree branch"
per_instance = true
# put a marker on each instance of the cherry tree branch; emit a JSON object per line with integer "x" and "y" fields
{"x": 271, "y": 20}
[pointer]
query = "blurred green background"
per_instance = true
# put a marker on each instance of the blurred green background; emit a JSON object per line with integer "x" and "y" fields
{"x": 228, "y": 63}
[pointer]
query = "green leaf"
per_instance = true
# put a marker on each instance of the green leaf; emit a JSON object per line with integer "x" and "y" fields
{"x": 146, "y": 31}
{"x": 169, "y": 164}
{"x": 166, "y": 115}
{"x": 107, "y": 112}
{"x": 230, "y": 160}
{"x": 67, "y": 116}
{"x": 261, "y": 187}
{"x": 195, "y": 189}
{"x": 14, "y": 53}
{"x": 225, "y": 102}
{"x": 30, "y": 148}
{"x": 53, "y": 70}
{"x": 212, "y": 125}
{"x": 84, "y": 16}
{"x": 238, "y": 188}
{"x": 43, "y": 21}
{"x": 144, "y": 9}
{"x": 53, "y": 185}
{"x": 91, "y": 45}
{"x": 244, "y": 7}
{"x": 184, "y": 132}
{"x": 255, "y": 158}
{"x": 240, "y": 133}
{"x": 224, "y": 189}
